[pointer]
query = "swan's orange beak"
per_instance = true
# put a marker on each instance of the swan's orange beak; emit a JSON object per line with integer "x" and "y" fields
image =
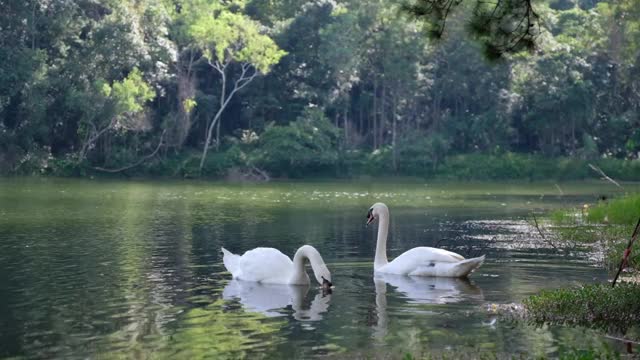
{"x": 370, "y": 217}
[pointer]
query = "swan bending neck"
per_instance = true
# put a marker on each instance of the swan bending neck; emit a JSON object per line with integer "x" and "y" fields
{"x": 315, "y": 259}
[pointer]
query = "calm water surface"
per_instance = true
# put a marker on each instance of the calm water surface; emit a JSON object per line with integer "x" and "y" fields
{"x": 133, "y": 269}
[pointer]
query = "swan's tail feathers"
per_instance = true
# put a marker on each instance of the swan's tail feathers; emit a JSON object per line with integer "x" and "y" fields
{"x": 231, "y": 262}
{"x": 466, "y": 267}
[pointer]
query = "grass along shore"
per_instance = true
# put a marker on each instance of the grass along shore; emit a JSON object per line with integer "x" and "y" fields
{"x": 607, "y": 225}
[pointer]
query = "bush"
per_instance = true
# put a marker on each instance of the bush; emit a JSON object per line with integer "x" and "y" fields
{"x": 421, "y": 155}
{"x": 187, "y": 164}
{"x": 308, "y": 146}
{"x": 492, "y": 167}
{"x": 509, "y": 165}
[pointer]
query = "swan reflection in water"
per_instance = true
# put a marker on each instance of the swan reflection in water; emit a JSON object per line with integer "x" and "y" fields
{"x": 429, "y": 290}
{"x": 271, "y": 299}
{"x": 421, "y": 290}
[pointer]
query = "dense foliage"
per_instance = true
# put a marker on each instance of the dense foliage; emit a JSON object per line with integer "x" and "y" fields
{"x": 198, "y": 87}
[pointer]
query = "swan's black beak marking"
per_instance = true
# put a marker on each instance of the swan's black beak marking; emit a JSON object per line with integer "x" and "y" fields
{"x": 326, "y": 287}
{"x": 370, "y": 217}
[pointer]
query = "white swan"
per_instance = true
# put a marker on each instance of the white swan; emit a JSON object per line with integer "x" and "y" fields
{"x": 419, "y": 261}
{"x": 270, "y": 266}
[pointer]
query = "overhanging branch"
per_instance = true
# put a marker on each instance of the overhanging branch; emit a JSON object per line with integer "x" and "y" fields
{"x": 143, "y": 159}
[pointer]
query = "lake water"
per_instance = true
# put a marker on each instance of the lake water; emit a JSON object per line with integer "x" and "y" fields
{"x": 134, "y": 269}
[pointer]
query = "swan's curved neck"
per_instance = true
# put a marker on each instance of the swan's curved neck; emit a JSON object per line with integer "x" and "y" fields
{"x": 299, "y": 275}
{"x": 381, "y": 245}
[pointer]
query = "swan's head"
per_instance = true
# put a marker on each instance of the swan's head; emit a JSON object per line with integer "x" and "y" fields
{"x": 375, "y": 211}
{"x": 323, "y": 276}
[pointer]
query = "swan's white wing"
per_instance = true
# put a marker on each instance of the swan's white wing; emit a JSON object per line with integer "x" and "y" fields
{"x": 266, "y": 265}
{"x": 419, "y": 257}
{"x": 231, "y": 262}
{"x": 449, "y": 269}
{"x": 439, "y": 255}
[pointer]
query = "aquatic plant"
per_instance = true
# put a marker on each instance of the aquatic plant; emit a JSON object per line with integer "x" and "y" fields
{"x": 608, "y": 225}
{"x": 594, "y": 305}
{"x": 623, "y": 211}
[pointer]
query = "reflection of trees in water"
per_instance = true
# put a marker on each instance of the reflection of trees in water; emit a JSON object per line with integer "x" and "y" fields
{"x": 109, "y": 272}
{"x": 153, "y": 253}
{"x": 215, "y": 332}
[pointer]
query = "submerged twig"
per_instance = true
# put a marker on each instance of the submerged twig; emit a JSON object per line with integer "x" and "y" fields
{"x": 535, "y": 220}
{"x": 621, "y": 339}
{"x": 559, "y": 189}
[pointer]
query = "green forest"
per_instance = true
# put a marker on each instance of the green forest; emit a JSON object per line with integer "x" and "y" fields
{"x": 298, "y": 88}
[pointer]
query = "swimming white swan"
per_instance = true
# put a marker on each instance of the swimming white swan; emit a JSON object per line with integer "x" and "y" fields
{"x": 270, "y": 266}
{"x": 419, "y": 261}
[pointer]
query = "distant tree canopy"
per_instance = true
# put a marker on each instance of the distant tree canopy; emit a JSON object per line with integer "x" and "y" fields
{"x": 189, "y": 87}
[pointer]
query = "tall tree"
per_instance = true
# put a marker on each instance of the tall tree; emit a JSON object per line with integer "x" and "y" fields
{"x": 233, "y": 45}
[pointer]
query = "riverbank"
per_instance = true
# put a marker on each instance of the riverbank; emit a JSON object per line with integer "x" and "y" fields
{"x": 245, "y": 163}
{"x": 606, "y": 228}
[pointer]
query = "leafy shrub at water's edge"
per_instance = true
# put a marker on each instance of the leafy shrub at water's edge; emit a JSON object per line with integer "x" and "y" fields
{"x": 595, "y": 305}
{"x": 290, "y": 152}
{"x": 608, "y": 224}
{"x": 307, "y": 146}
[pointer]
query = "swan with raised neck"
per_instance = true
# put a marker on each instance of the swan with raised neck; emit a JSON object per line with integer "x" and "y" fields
{"x": 380, "y": 211}
{"x": 419, "y": 261}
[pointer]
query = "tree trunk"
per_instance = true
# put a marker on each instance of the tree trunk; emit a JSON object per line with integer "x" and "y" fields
{"x": 239, "y": 83}
{"x": 345, "y": 119}
{"x": 215, "y": 120}
{"x": 186, "y": 90}
{"x": 375, "y": 113}
{"x": 361, "y": 125}
{"x": 382, "y": 114}
{"x": 218, "y": 135}
{"x": 393, "y": 133}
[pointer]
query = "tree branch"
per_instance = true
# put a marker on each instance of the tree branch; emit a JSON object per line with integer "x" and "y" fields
{"x": 143, "y": 159}
{"x": 604, "y": 176}
{"x": 535, "y": 220}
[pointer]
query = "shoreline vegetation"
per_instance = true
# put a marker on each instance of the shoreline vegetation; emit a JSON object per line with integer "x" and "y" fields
{"x": 247, "y": 163}
{"x": 604, "y": 227}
